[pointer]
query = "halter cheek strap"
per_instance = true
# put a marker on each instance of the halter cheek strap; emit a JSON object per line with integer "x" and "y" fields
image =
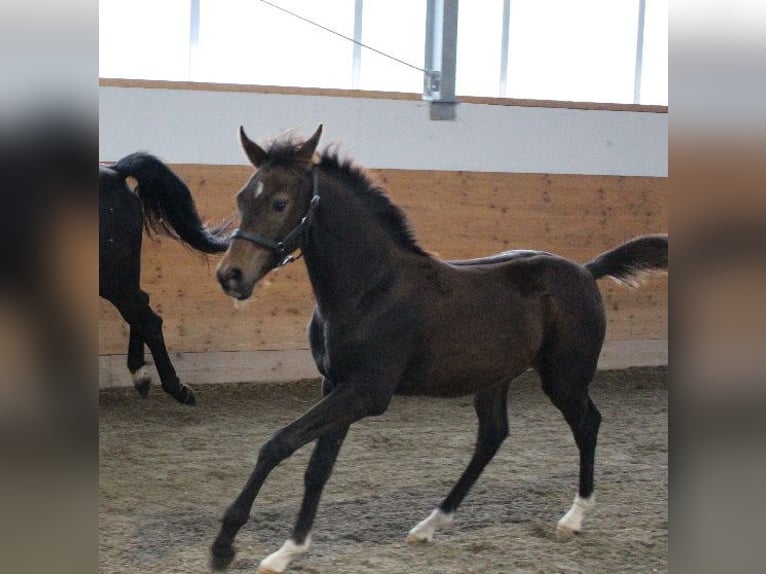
{"x": 293, "y": 240}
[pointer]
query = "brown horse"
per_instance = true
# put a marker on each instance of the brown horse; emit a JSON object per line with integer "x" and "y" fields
{"x": 390, "y": 318}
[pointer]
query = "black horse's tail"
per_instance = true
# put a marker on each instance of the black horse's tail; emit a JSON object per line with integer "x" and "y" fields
{"x": 631, "y": 262}
{"x": 168, "y": 205}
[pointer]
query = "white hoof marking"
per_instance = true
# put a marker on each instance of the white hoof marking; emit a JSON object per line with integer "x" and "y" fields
{"x": 278, "y": 561}
{"x": 572, "y": 520}
{"x": 424, "y": 531}
{"x": 140, "y": 376}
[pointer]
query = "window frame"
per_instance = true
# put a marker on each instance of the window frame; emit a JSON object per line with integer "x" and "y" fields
{"x": 356, "y": 65}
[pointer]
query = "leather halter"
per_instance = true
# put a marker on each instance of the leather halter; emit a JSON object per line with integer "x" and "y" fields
{"x": 294, "y": 238}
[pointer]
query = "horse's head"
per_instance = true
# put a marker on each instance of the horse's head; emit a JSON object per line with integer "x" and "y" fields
{"x": 273, "y": 206}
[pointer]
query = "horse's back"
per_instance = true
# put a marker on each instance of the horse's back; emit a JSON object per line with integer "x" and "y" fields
{"x": 502, "y": 257}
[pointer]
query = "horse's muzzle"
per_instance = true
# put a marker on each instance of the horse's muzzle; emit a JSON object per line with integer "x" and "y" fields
{"x": 231, "y": 280}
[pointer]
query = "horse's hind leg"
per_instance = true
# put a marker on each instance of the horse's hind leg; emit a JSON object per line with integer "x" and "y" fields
{"x": 137, "y": 364}
{"x": 148, "y": 326}
{"x": 567, "y": 387}
{"x": 491, "y": 407}
{"x": 585, "y": 436}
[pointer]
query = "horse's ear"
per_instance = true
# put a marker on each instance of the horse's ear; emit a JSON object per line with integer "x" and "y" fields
{"x": 307, "y": 150}
{"x": 254, "y": 152}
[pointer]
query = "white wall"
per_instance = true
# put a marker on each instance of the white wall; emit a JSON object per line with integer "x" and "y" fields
{"x": 186, "y": 126}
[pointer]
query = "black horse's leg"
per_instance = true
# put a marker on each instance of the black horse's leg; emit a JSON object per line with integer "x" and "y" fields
{"x": 136, "y": 311}
{"x": 492, "y": 411}
{"x": 568, "y": 391}
{"x": 330, "y": 419}
{"x": 137, "y": 364}
{"x": 136, "y": 360}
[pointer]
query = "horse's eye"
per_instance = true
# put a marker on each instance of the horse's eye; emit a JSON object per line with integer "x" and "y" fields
{"x": 280, "y": 205}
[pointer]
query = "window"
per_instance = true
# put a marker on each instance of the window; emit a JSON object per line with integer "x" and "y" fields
{"x": 479, "y": 43}
{"x": 398, "y": 28}
{"x": 532, "y": 49}
{"x": 579, "y": 51}
{"x": 246, "y": 41}
{"x": 144, "y": 39}
{"x": 654, "y": 77}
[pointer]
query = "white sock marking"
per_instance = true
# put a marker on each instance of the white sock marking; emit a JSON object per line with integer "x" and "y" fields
{"x": 572, "y": 520}
{"x": 279, "y": 561}
{"x": 140, "y": 375}
{"x": 424, "y": 531}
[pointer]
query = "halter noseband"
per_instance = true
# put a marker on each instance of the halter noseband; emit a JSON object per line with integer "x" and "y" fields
{"x": 284, "y": 248}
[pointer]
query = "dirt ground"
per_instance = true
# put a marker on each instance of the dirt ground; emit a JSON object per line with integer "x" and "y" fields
{"x": 167, "y": 473}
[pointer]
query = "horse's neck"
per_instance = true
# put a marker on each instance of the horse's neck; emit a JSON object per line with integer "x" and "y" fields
{"x": 348, "y": 252}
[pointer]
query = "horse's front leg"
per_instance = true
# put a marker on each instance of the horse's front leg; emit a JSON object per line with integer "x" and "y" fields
{"x": 329, "y": 419}
{"x": 318, "y": 471}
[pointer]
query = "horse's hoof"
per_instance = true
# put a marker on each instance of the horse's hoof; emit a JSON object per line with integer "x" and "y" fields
{"x": 571, "y": 522}
{"x": 142, "y": 387}
{"x": 185, "y": 396}
{"x": 264, "y": 570}
{"x": 221, "y": 557}
{"x": 425, "y": 529}
{"x": 416, "y": 539}
{"x": 565, "y": 531}
{"x": 142, "y": 381}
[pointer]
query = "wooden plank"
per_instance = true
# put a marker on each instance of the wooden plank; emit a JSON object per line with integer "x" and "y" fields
{"x": 619, "y": 354}
{"x": 220, "y": 367}
{"x": 456, "y": 214}
{"x": 296, "y": 364}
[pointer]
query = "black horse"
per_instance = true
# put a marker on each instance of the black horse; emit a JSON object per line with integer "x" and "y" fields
{"x": 160, "y": 203}
{"x": 390, "y": 318}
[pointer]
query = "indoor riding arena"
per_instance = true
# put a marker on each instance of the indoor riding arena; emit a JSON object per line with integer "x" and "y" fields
{"x": 476, "y": 171}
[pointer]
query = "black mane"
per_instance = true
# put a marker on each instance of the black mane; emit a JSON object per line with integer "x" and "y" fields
{"x": 374, "y": 198}
{"x": 283, "y": 152}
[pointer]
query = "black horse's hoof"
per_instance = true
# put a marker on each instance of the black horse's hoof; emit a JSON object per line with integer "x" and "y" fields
{"x": 221, "y": 557}
{"x": 184, "y": 395}
{"x": 142, "y": 386}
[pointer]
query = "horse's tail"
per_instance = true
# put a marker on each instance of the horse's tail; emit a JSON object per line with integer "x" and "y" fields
{"x": 631, "y": 262}
{"x": 168, "y": 205}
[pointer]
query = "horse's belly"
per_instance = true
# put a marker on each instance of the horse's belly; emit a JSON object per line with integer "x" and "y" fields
{"x": 457, "y": 376}
{"x": 473, "y": 348}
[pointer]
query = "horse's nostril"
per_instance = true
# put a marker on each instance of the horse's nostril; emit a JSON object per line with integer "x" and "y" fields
{"x": 229, "y": 276}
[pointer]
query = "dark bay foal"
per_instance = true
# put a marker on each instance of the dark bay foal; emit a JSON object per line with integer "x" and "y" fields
{"x": 390, "y": 318}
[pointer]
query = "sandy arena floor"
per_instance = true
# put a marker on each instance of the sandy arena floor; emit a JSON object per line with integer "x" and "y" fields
{"x": 167, "y": 473}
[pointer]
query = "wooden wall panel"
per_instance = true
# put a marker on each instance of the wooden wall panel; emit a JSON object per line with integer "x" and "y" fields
{"x": 454, "y": 214}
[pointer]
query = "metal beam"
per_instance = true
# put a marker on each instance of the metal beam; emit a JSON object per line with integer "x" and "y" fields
{"x": 504, "y": 47}
{"x": 356, "y": 76}
{"x": 639, "y": 70}
{"x": 194, "y": 10}
{"x": 440, "y": 58}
